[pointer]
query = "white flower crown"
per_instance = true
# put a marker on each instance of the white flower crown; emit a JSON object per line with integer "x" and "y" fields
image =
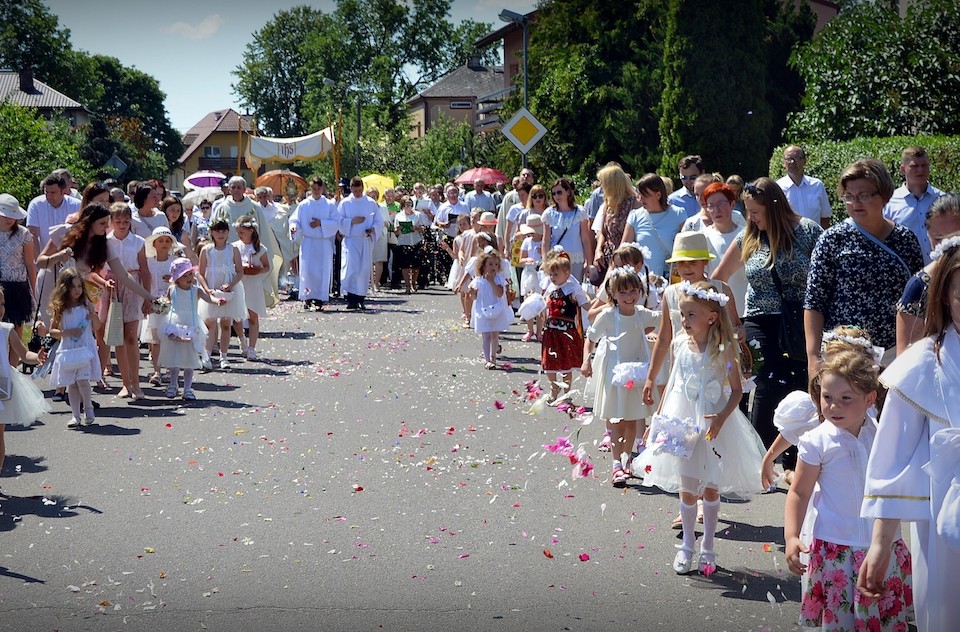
{"x": 622, "y": 270}
{"x": 558, "y": 249}
{"x": 875, "y": 351}
{"x": 708, "y": 295}
{"x": 489, "y": 249}
{"x": 245, "y": 225}
{"x": 944, "y": 246}
{"x": 646, "y": 252}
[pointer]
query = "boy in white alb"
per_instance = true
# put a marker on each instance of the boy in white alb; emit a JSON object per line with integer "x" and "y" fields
{"x": 316, "y": 220}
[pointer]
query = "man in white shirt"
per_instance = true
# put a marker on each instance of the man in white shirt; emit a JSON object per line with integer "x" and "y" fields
{"x": 317, "y": 221}
{"x": 359, "y": 226}
{"x": 511, "y": 199}
{"x": 910, "y": 202}
{"x": 691, "y": 168}
{"x": 479, "y": 198}
{"x": 807, "y": 195}
{"x": 49, "y": 209}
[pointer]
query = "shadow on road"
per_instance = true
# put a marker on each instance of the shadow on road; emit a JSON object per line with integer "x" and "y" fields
{"x": 14, "y": 508}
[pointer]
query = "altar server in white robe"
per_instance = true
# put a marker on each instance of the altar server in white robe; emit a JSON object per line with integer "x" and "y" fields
{"x": 359, "y": 226}
{"x": 913, "y": 473}
{"x": 316, "y": 221}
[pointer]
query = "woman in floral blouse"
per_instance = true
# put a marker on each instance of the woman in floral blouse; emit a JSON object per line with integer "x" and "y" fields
{"x": 860, "y": 266}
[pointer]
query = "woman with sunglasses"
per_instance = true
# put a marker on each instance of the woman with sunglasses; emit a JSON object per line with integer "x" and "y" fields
{"x": 567, "y": 224}
{"x": 774, "y": 251}
{"x": 533, "y": 202}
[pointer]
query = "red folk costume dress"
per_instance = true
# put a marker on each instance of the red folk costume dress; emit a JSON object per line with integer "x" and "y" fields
{"x": 562, "y": 340}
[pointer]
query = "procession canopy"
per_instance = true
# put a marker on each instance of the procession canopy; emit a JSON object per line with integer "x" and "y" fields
{"x": 261, "y": 149}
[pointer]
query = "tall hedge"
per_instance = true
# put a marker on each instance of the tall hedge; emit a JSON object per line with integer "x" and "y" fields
{"x": 827, "y": 160}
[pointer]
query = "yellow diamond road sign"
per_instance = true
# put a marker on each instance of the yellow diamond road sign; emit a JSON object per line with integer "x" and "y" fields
{"x": 524, "y": 130}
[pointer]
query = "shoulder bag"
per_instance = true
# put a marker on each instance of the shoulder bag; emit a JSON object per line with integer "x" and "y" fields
{"x": 791, "y": 337}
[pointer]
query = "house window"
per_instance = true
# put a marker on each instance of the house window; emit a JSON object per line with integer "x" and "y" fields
{"x": 211, "y": 152}
{"x": 461, "y": 105}
{"x": 233, "y": 151}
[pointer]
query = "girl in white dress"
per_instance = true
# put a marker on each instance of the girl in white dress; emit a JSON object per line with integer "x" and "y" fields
{"x": 256, "y": 266}
{"x": 491, "y": 313}
{"x": 73, "y": 321}
{"x": 184, "y": 334}
{"x": 530, "y": 257}
{"x": 21, "y": 403}
{"x": 700, "y": 444}
{"x": 618, "y": 396}
{"x": 221, "y": 275}
{"x": 157, "y": 248}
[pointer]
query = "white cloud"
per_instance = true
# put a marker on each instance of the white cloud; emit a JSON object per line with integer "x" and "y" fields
{"x": 202, "y": 30}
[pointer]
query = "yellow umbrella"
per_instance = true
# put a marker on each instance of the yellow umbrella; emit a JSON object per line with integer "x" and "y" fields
{"x": 382, "y": 183}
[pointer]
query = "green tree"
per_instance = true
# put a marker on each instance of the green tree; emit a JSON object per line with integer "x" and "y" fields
{"x": 714, "y": 98}
{"x": 594, "y": 79}
{"x": 384, "y": 50}
{"x": 33, "y": 148}
{"x": 872, "y": 73}
{"x": 133, "y": 100}
{"x": 31, "y": 38}
{"x": 786, "y": 25}
{"x": 273, "y": 76}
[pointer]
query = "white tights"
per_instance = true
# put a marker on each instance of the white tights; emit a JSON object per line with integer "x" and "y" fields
{"x": 491, "y": 340}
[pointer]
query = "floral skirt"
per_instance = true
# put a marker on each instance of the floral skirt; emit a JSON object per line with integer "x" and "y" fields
{"x": 832, "y": 602}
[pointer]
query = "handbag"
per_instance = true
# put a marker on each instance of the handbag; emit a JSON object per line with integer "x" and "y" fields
{"x": 175, "y": 331}
{"x": 627, "y": 374}
{"x": 532, "y": 306}
{"x": 598, "y": 272}
{"x": 74, "y": 359}
{"x": 791, "y": 337}
{"x": 491, "y": 311}
{"x": 672, "y": 435}
{"x": 113, "y": 332}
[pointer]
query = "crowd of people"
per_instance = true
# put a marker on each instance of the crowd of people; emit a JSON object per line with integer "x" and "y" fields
{"x": 721, "y": 328}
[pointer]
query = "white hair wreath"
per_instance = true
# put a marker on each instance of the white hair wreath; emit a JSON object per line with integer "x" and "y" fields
{"x": 708, "y": 295}
{"x": 944, "y": 246}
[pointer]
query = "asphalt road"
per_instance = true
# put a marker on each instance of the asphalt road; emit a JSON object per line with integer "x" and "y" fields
{"x": 369, "y": 475}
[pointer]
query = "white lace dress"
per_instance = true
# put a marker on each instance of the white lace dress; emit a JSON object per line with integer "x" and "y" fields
{"x": 730, "y": 462}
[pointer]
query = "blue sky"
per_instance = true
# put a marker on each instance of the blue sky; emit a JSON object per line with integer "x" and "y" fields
{"x": 191, "y": 46}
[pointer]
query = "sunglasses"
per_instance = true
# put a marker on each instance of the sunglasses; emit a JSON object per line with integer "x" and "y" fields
{"x": 560, "y": 192}
{"x": 752, "y": 189}
{"x": 688, "y": 178}
{"x": 540, "y": 196}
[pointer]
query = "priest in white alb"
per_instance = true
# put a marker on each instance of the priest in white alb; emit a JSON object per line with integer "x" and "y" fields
{"x": 316, "y": 220}
{"x": 360, "y": 228}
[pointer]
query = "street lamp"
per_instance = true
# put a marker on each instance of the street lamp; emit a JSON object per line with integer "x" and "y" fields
{"x": 331, "y": 82}
{"x": 513, "y": 17}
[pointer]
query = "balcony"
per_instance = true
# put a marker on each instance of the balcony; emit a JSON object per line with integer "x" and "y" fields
{"x": 221, "y": 164}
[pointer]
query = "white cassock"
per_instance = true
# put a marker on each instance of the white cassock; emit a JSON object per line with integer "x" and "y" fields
{"x": 356, "y": 260}
{"x": 316, "y": 249}
{"x": 912, "y": 467}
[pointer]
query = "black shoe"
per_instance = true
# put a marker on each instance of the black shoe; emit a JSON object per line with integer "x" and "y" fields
{"x": 59, "y": 397}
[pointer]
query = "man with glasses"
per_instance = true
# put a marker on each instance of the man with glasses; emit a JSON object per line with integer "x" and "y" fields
{"x": 360, "y": 223}
{"x": 910, "y": 202}
{"x": 806, "y": 194}
{"x": 691, "y": 167}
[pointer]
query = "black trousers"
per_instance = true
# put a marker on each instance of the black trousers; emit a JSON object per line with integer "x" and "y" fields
{"x": 777, "y": 376}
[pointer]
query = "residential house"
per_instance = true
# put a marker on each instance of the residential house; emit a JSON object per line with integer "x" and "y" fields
{"x": 217, "y": 143}
{"x": 454, "y": 96}
{"x": 23, "y": 89}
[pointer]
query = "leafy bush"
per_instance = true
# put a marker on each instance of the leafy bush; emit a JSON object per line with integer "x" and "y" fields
{"x": 33, "y": 147}
{"x": 827, "y": 160}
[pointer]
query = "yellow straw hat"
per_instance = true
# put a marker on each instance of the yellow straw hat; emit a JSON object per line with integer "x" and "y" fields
{"x": 691, "y": 246}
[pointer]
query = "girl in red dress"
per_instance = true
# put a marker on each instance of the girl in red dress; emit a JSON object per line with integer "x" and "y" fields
{"x": 562, "y": 338}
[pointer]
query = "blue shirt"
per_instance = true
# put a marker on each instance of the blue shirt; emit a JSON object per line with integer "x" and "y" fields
{"x": 685, "y": 200}
{"x": 910, "y": 211}
{"x": 657, "y": 231}
{"x": 481, "y": 200}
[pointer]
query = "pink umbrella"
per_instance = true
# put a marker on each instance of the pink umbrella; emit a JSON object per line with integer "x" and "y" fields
{"x": 488, "y": 175}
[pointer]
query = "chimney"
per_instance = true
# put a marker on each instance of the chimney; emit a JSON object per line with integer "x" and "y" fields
{"x": 473, "y": 62}
{"x": 26, "y": 81}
